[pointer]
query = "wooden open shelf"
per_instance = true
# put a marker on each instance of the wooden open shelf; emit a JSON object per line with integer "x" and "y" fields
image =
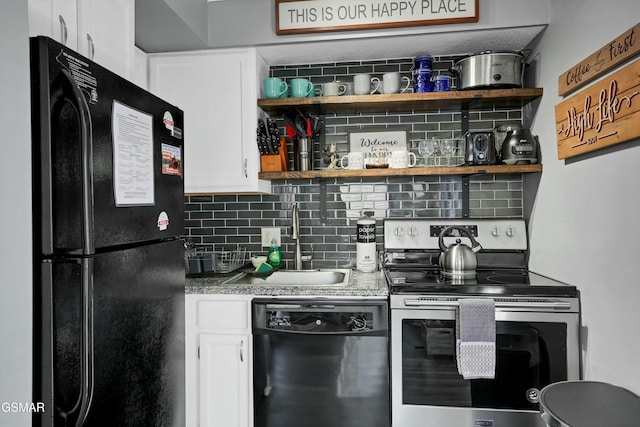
{"x": 429, "y": 101}
{"x": 456, "y": 170}
{"x": 405, "y": 102}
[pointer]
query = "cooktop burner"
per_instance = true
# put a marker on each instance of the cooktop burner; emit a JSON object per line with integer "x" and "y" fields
{"x": 430, "y": 280}
{"x": 413, "y": 247}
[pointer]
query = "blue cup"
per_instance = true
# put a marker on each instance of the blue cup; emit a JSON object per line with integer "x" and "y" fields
{"x": 422, "y": 81}
{"x": 441, "y": 84}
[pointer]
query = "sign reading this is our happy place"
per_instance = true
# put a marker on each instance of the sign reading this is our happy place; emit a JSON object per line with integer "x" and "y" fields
{"x": 307, "y": 16}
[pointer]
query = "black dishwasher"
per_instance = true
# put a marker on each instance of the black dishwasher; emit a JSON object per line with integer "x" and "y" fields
{"x": 321, "y": 363}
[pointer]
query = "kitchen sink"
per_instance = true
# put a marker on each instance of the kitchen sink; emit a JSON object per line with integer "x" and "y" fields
{"x": 319, "y": 277}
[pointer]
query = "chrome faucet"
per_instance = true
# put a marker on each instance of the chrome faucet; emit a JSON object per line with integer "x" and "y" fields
{"x": 295, "y": 235}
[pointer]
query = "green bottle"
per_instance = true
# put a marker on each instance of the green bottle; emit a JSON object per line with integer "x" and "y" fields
{"x": 274, "y": 258}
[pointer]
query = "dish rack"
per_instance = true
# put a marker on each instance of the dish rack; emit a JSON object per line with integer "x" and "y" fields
{"x": 224, "y": 261}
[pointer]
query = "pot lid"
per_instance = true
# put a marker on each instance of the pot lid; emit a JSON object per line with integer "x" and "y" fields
{"x": 491, "y": 52}
{"x": 499, "y": 52}
{"x": 589, "y": 404}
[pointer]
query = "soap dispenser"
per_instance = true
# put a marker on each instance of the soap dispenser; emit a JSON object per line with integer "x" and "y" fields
{"x": 274, "y": 257}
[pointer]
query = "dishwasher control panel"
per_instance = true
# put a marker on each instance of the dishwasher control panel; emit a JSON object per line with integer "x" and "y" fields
{"x": 310, "y": 317}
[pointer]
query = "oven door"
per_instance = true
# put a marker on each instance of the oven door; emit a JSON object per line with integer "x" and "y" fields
{"x": 533, "y": 349}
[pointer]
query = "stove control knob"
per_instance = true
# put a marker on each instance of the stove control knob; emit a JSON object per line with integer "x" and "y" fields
{"x": 495, "y": 231}
{"x": 510, "y": 232}
{"x": 413, "y": 231}
{"x": 398, "y": 231}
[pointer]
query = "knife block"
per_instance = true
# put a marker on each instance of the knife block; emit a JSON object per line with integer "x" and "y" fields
{"x": 270, "y": 163}
{"x": 276, "y": 162}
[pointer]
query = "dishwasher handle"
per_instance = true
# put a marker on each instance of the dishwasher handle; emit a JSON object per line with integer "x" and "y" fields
{"x": 369, "y": 333}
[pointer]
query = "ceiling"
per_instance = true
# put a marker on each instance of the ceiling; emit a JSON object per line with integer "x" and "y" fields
{"x": 182, "y": 25}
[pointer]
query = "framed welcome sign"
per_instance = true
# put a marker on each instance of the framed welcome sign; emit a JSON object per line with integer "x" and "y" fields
{"x": 377, "y": 144}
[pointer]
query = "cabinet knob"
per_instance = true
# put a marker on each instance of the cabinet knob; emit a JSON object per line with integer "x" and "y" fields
{"x": 246, "y": 172}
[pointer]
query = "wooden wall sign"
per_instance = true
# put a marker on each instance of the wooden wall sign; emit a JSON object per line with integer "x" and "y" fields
{"x": 604, "y": 114}
{"x": 312, "y": 16}
{"x": 613, "y": 53}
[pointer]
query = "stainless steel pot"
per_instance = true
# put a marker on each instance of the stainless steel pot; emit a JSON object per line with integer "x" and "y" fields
{"x": 458, "y": 260}
{"x": 490, "y": 69}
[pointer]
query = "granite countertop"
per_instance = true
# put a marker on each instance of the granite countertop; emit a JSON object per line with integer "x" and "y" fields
{"x": 361, "y": 285}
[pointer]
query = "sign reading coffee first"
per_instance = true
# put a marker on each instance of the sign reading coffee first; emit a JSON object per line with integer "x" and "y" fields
{"x": 308, "y": 16}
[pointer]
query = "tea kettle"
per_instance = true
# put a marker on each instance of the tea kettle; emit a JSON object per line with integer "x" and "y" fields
{"x": 458, "y": 260}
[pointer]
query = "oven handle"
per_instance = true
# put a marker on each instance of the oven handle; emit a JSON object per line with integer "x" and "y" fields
{"x": 556, "y": 305}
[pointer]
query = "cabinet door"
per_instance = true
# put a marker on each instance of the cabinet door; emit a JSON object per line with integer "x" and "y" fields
{"x": 224, "y": 380}
{"x": 140, "y": 70}
{"x": 57, "y": 19}
{"x": 218, "y": 92}
{"x": 106, "y": 33}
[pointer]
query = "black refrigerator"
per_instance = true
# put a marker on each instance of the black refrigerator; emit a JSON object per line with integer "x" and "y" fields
{"x": 109, "y": 273}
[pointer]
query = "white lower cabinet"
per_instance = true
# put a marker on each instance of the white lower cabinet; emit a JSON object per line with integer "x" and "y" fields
{"x": 218, "y": 361}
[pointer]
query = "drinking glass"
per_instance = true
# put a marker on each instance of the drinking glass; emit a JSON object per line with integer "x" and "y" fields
{"x": 447, "y": 146}
{"x": 426, "y": 149}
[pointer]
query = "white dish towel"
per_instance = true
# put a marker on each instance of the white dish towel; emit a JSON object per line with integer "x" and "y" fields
{"x": 476, "y": 338}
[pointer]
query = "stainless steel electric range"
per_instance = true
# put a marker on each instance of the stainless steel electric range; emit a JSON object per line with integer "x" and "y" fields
{"x": 537, "y": 324}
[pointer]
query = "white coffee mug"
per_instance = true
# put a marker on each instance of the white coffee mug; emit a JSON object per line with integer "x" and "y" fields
{"x": 364, "y": 84}
{"x": 391, "y": 83}
{"x": 355, "y": 160}
{"x": 402, "y": 159}
{"x": 334, "y": 89}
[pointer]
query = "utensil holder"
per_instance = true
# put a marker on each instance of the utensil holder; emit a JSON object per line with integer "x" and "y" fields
{"x": 305, "y": 154}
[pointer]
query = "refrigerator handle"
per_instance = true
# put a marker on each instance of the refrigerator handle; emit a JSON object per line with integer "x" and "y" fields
{"x": 81, "y": 407}
{"x": 86, "y": 356}
{"x": 87, "y": 163}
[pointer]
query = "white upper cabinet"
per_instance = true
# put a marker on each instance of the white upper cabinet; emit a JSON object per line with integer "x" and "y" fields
{"x": 101, "y": 30}
{"x": 106, "y": 33}
{"x": 217, "y": 90}
{"x": 57, "y": 19}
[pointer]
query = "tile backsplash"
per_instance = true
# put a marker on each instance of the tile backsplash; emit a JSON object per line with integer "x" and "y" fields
{"x": 216, "y": 222}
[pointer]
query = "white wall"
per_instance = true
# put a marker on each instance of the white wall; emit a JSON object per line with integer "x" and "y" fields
{"x": 253, "y": 23}
{"x": 584, "y": 225}
{"x": 15, "y": 212}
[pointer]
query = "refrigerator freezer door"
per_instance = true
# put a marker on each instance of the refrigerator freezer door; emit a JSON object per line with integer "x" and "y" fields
{"x": 107, "y": 156}
{"x": 133, "y": 372}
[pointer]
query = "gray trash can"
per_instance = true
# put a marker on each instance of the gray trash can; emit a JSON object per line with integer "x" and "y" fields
{"x": 589, "y": 404}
